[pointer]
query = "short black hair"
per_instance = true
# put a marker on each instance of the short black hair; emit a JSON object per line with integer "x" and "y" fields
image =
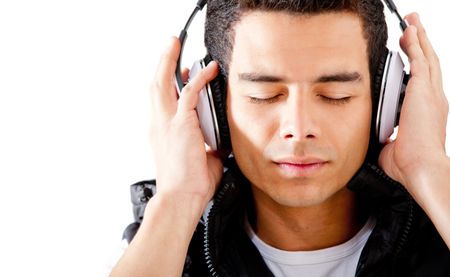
{"x": 222, "y": 16}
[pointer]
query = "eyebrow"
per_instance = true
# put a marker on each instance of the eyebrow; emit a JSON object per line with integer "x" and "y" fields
{"x": 342, "y": 77}
{"x": 260, "y": 78}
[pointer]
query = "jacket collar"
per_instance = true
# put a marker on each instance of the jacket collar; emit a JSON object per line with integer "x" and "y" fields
{"x": 229, "y": 251}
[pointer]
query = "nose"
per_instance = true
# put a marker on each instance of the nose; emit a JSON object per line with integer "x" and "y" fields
{"x": 298, "y": 120}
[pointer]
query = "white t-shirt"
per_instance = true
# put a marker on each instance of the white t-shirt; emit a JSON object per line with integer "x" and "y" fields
{"x": 340, "y": 260}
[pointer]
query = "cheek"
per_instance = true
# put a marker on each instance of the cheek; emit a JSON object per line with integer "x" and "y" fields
{"x": 247, "y": 126}
{"x": 355, "y": 133}
{"x": 250, "y": 130}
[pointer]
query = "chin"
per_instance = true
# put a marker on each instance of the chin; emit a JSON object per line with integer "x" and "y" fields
{"x": 299, "y": 201}
{"x": 298, "y": 195}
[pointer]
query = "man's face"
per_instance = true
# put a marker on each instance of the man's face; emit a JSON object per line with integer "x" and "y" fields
{"x": 299, "y": 104}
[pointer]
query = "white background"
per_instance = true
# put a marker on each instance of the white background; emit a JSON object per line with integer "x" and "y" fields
{"x": 74, "y": 118}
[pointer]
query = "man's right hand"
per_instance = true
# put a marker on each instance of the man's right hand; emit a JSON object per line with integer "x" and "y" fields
{"x": 186, "y": 173}
{"x": 184, "y": 167}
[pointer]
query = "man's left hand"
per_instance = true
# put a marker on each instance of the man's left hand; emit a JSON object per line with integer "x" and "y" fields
{"x": 420, "y": 143}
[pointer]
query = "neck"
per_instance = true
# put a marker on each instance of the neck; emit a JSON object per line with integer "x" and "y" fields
{"x": 327, "y": 224}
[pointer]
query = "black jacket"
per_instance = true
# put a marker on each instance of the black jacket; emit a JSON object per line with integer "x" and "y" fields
{"x": 404, "y": 242}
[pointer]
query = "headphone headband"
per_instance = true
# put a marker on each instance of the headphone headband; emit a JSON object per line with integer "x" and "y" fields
{"x": 393, "y": 8}
{"x": 201, "y": 4}
{"x": 182, "y": 38}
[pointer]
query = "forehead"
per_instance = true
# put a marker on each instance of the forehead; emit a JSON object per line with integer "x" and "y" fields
{"x": 279, "y": 42}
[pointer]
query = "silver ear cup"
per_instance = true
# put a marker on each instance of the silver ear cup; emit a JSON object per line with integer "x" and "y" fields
{"x": 205, "y": 110}
{"x": 389, "y": 103}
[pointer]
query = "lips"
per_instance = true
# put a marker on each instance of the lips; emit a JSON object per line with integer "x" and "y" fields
{"x": 300, "y": 166}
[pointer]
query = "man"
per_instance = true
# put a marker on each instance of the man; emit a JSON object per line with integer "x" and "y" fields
{"x": 302, "y": 195}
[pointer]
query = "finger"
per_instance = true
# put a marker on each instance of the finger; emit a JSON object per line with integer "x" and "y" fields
{"x": 427, "y": 48}
{"x": 184, "y": 78}
{"x": 411, "y": 46}
{"x": 163, "y": 94}
{"x": 168, "y": 62}
{"x": 189, "y": 95}
{"x": 222, "y": 154}
{"x": 185, "y": 75}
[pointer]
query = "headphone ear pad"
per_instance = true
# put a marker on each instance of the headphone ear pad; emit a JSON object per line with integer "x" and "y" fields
{"x": 218, "y": 91}
{"x": 374, "y": 145}
{"x": 377, "y": 86}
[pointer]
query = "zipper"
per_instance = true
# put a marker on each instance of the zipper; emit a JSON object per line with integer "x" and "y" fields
{"x": 208, "y": 247}
{"x": 405, "y": 234}
{"x": 407, "y": 228}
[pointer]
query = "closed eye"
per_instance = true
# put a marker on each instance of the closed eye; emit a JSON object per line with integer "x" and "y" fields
{"x": 260, "y": 100}
{"x": 335, "y": 101}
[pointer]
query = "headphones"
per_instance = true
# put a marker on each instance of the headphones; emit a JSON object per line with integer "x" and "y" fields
{"x": 390, "y": 82}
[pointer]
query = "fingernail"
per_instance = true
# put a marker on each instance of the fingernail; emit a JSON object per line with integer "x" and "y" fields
{"x": 211, "y": 64}
{"x": 407, "y": 22}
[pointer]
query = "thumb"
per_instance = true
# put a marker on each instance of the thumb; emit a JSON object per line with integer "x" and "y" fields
{"x": 387, "y": 162}
{"x": 215, "y": 167}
